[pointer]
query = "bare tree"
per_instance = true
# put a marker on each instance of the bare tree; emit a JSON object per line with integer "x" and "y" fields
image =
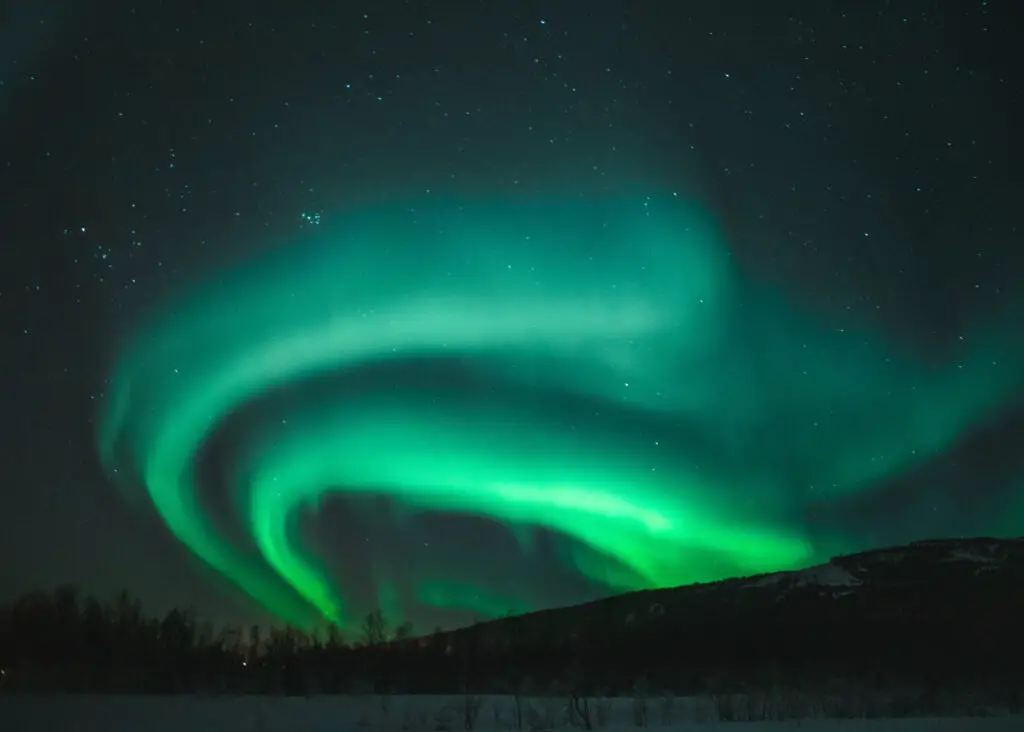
{"x": 405, "y": 630}
{"x": 255, "y": 643}
{"x": 375, "y": 628}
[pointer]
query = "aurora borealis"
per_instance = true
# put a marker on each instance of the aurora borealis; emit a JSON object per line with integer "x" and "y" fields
{"x": 460, "y": 309}
{"x": 607, "y": 381}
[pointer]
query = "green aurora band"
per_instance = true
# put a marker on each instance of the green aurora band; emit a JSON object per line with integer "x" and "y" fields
{"x": 640, "y": 398}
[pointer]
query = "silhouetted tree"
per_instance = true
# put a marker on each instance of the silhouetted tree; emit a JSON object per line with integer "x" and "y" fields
{"x": 403, "y": 631}
{"x": 375, "y": 628}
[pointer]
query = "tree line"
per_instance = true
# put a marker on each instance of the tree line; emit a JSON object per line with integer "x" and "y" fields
{"x": 627, "y": 646}
{"x": 66, "y": 641}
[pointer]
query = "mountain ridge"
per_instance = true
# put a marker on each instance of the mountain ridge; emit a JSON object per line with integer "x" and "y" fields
{"x": 847, "y": 573}
{"x": 942, "y": 609}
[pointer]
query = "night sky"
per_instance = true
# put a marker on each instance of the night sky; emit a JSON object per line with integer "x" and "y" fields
{"x": 466, "y": 308}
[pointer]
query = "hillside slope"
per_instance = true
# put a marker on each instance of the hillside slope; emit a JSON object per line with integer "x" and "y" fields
{"x": 943, "y": 610}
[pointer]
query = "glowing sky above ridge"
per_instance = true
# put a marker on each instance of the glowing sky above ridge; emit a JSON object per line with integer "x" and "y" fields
{"x": 459, "y": 309}
{"x": 608, "y": 377}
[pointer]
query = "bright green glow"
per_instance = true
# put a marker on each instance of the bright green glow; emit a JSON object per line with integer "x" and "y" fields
{"x": 626, "y": 305}
{"x": 462, "y": 461}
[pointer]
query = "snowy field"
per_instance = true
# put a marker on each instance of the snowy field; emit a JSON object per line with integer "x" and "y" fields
{"x": 96, "y": 713}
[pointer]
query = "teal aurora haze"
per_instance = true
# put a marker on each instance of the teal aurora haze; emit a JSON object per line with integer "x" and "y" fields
{"x": 613, "y": 378}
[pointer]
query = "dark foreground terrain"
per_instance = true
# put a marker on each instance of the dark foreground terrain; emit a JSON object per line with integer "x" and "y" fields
{"x": 934, "y": 624}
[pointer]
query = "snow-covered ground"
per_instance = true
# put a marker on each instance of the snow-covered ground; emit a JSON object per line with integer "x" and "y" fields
{"x": 99, "y": 713}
